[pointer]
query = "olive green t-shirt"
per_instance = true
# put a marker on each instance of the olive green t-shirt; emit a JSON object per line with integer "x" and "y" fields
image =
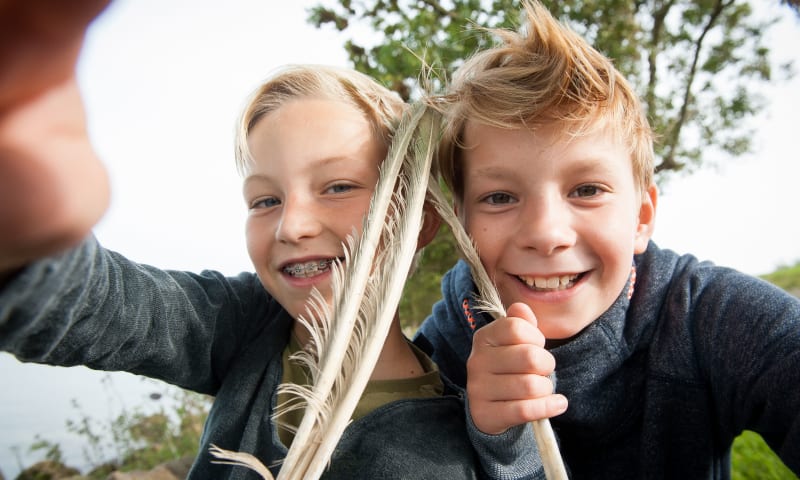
{"x": 376, "y": 394}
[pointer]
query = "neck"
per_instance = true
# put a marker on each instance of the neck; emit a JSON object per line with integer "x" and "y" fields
{"x": 397, "y": 359}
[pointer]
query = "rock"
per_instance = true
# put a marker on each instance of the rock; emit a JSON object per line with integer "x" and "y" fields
{"x": 181, "y": 466}
{"x": 47, "y": 470}
{"x": 159, "y": 473}
{"x": 172, "y": 470}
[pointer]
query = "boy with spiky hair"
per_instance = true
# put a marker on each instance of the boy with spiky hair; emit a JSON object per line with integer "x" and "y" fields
{"x": 663, "y": 359}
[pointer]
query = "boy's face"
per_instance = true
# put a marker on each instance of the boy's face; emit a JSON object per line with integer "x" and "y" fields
{"x": 315, "y": 166}
{"x": 556, "y": 221}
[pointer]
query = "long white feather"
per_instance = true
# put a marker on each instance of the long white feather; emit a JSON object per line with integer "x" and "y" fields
{"x": 489, "y": 301}
{"x": 348, "y": 301}
{"x": 349, "y": 338}
{"x": 389, "y": 278}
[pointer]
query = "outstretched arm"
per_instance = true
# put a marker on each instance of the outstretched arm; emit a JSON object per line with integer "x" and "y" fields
{"x": 53, "y": 188}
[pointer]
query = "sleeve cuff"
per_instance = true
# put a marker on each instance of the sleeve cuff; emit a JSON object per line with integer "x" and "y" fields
{"x": 511, "y": 455}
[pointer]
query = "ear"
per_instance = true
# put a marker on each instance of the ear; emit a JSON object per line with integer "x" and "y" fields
{"x": 430, "y": 226}
{"x": 647, "y": 219}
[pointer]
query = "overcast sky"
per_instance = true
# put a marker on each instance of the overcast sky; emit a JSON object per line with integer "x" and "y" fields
{"x": 164, "y": 82}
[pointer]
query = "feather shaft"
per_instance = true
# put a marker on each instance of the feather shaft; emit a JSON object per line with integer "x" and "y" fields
{"x": 348, "y": 301}
{"x": 489, "y": 301}
{"x": 404, "y": 227}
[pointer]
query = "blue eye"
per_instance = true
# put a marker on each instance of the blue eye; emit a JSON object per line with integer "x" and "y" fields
{"x": 340, "y": 188}
{"x": 498, "y": 198}
{"x": 266, "y": 203}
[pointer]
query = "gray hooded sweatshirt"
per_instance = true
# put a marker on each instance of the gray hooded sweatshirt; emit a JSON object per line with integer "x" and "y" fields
{"x": 661, "y": 384}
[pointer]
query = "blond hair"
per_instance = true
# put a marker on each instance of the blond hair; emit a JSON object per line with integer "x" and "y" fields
{"x": 542, "y": 75}
{"x": 381, "y": 107}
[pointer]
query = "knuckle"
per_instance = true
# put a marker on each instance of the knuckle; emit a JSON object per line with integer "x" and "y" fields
{"x": 535, "y": 386}
{"x": 530, "y": 358}
{"x": 523, "y": 411}
{"x": 474, "y": 363}
{"x": 516, "y": 328}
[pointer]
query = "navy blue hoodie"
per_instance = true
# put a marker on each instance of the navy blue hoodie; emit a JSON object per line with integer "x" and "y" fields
{"x": 661, "y": 384}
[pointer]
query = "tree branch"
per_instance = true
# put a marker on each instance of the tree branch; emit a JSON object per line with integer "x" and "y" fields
{"x": 669, "y": 162}
{"x": 652, "y": 57}
{"x": 438, "y": 8}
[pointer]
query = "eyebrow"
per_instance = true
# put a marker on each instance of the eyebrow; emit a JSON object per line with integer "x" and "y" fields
{"x": 596, "y": 165}
{"x": 495, "y": 173}
{"x": 256, "y": 177}
{"x": 321, "y": 163}
{"x": 583, "y": 165}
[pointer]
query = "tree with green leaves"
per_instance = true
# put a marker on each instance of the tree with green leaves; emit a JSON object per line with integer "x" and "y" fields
{"x": 697, "y": 64}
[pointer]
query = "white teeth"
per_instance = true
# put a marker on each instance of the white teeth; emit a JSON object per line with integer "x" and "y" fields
{"x": 550, "y": 283}
{"x": 308, "y": 269}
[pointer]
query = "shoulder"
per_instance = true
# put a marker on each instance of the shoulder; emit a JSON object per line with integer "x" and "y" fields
{"x": 682, "y": 282}
{"x": 706, "y": 311}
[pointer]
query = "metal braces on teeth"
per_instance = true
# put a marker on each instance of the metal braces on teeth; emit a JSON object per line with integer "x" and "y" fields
{"x": 309, "y": 267}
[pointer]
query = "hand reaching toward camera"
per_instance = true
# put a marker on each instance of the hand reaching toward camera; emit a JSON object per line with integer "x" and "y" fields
{"x": 53, "y": 188}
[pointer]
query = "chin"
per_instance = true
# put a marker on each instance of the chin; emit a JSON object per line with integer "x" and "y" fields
{"x": 561, "y": 330}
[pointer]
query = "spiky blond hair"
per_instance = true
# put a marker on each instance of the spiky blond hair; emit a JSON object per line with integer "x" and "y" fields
{"x": 380, "y": 106}
{"x": 541, "y": 75}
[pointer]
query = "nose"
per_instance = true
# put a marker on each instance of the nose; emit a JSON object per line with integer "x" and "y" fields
{"x": 299, "y": 220}
{"x": 546, "y": 225}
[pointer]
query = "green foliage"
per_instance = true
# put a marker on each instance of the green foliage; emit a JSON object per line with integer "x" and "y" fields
{"x": 752, "y": 459}
{"x": 414, "y": 34}
{"x": 423, "y": 287}
{"x": 135, "y": 439}
{"x": 696, "y": 64}
{"x": 788, "y": 278}
{"x": 52, "y": 451}
{"x": 156, "y": 438}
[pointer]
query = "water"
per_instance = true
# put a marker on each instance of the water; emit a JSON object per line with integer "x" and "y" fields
{"x": 37, "y": 400}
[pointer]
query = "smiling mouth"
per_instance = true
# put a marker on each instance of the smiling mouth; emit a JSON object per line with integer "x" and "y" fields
{"x": 550, "y": 284}
{"x": 308, "y": 269}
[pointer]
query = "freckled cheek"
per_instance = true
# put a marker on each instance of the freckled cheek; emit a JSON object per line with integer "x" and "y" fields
{"x": 480, "y": 237}
{"x": 256, "y": 243}
{"x": 348, "y": 221}
{"x": 486, "y": 240}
